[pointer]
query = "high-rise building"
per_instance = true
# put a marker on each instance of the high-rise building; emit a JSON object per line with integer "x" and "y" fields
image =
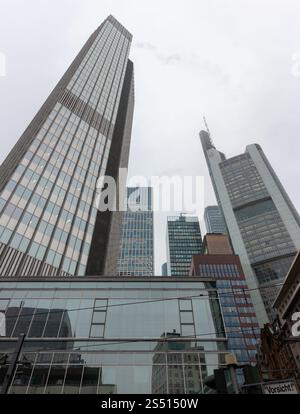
{"x": 220, "y": 268}
{"x": 49, "y": 220}
{"x": 183, "y": 241}
{"x": 214, "y": 220}
{"x": 262, "y": 222}
{"x": 137, "y": 241}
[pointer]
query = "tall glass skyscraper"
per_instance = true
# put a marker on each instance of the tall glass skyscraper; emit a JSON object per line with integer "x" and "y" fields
{"x": 214, "y": 220}
{"x": 183, "y": 241}
{"x": 49, "y": 221}
{"x": 137, "y": 242}
{"x": 263, "y": 224}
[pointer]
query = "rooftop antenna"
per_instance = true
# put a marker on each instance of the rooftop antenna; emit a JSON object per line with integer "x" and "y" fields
{"x": 208, "y": 131}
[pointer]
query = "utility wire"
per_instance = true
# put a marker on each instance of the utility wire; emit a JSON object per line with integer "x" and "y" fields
{"x": 134, "y": 340}
{"x": 219, "y": 294}
{"x": 250, "y": 330}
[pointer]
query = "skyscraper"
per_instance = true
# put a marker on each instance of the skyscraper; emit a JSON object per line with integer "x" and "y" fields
{"x": 263, "y": 224}
{"x": 137, "y": 242}
{"x": 214, "y": 221}
{"x": 49, "y": 221}
{"x": 183, "y": 241}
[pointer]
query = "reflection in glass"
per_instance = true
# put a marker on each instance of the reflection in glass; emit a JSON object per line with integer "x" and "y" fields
{"x": 56, "y": 379}
{"x": 182, "y": 375}
{"x": 12, "y": 315}
{"x": 143, "y": 338}
{"x": 84, "y": 318}
{"x": 90, "y": 380}
{"x": 21, "y": 380}
{"x": 73, "y": 379}
{"x": 38, "y": 379}
{"x": 39, "y": 319}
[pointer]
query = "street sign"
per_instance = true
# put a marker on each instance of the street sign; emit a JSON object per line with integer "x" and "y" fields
{"x": 283, "y": 387}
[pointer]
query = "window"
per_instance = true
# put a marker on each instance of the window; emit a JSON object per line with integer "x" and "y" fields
{"x": 188, "y": 330}
{"x": 97, "y": 331}
{"x": 6, "y": 236}
{"x": 255, "y": 210}
{"x": 99, "y": 318}
{"x": 187, "y": 317}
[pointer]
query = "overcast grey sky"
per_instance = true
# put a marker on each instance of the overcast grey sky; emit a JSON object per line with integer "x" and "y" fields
{"x": 230, "y": 60}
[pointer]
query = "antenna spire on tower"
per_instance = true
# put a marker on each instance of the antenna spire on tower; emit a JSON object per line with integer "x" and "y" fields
{"x": 208, "y": 131}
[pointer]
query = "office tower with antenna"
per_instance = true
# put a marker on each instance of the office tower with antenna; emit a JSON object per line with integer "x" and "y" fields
{"x": 262, "y": 222}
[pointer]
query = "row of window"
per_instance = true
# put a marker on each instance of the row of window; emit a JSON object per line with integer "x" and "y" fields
{"x": 219, "y": 270}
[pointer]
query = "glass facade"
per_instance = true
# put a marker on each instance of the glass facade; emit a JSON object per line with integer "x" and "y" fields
{"x": 262, "y": 222}
{"x": 270, "y": 273}
{"x": 214, "y": 220}
{"x": 137, "y": 242}
{"x": 183, "y": 241}
{"x": 113, "y": 336}
{"x": 240, "y": 320}
{"x": 263, "y": 231}
{"x": 164, "y": 269}
{"x": 47, "y": 207}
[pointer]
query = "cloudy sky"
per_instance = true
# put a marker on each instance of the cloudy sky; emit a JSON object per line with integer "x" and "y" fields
{"x": 233, "y": 61}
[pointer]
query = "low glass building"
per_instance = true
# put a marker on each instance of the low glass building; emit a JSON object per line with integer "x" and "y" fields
{"x": 124, "y": 336}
